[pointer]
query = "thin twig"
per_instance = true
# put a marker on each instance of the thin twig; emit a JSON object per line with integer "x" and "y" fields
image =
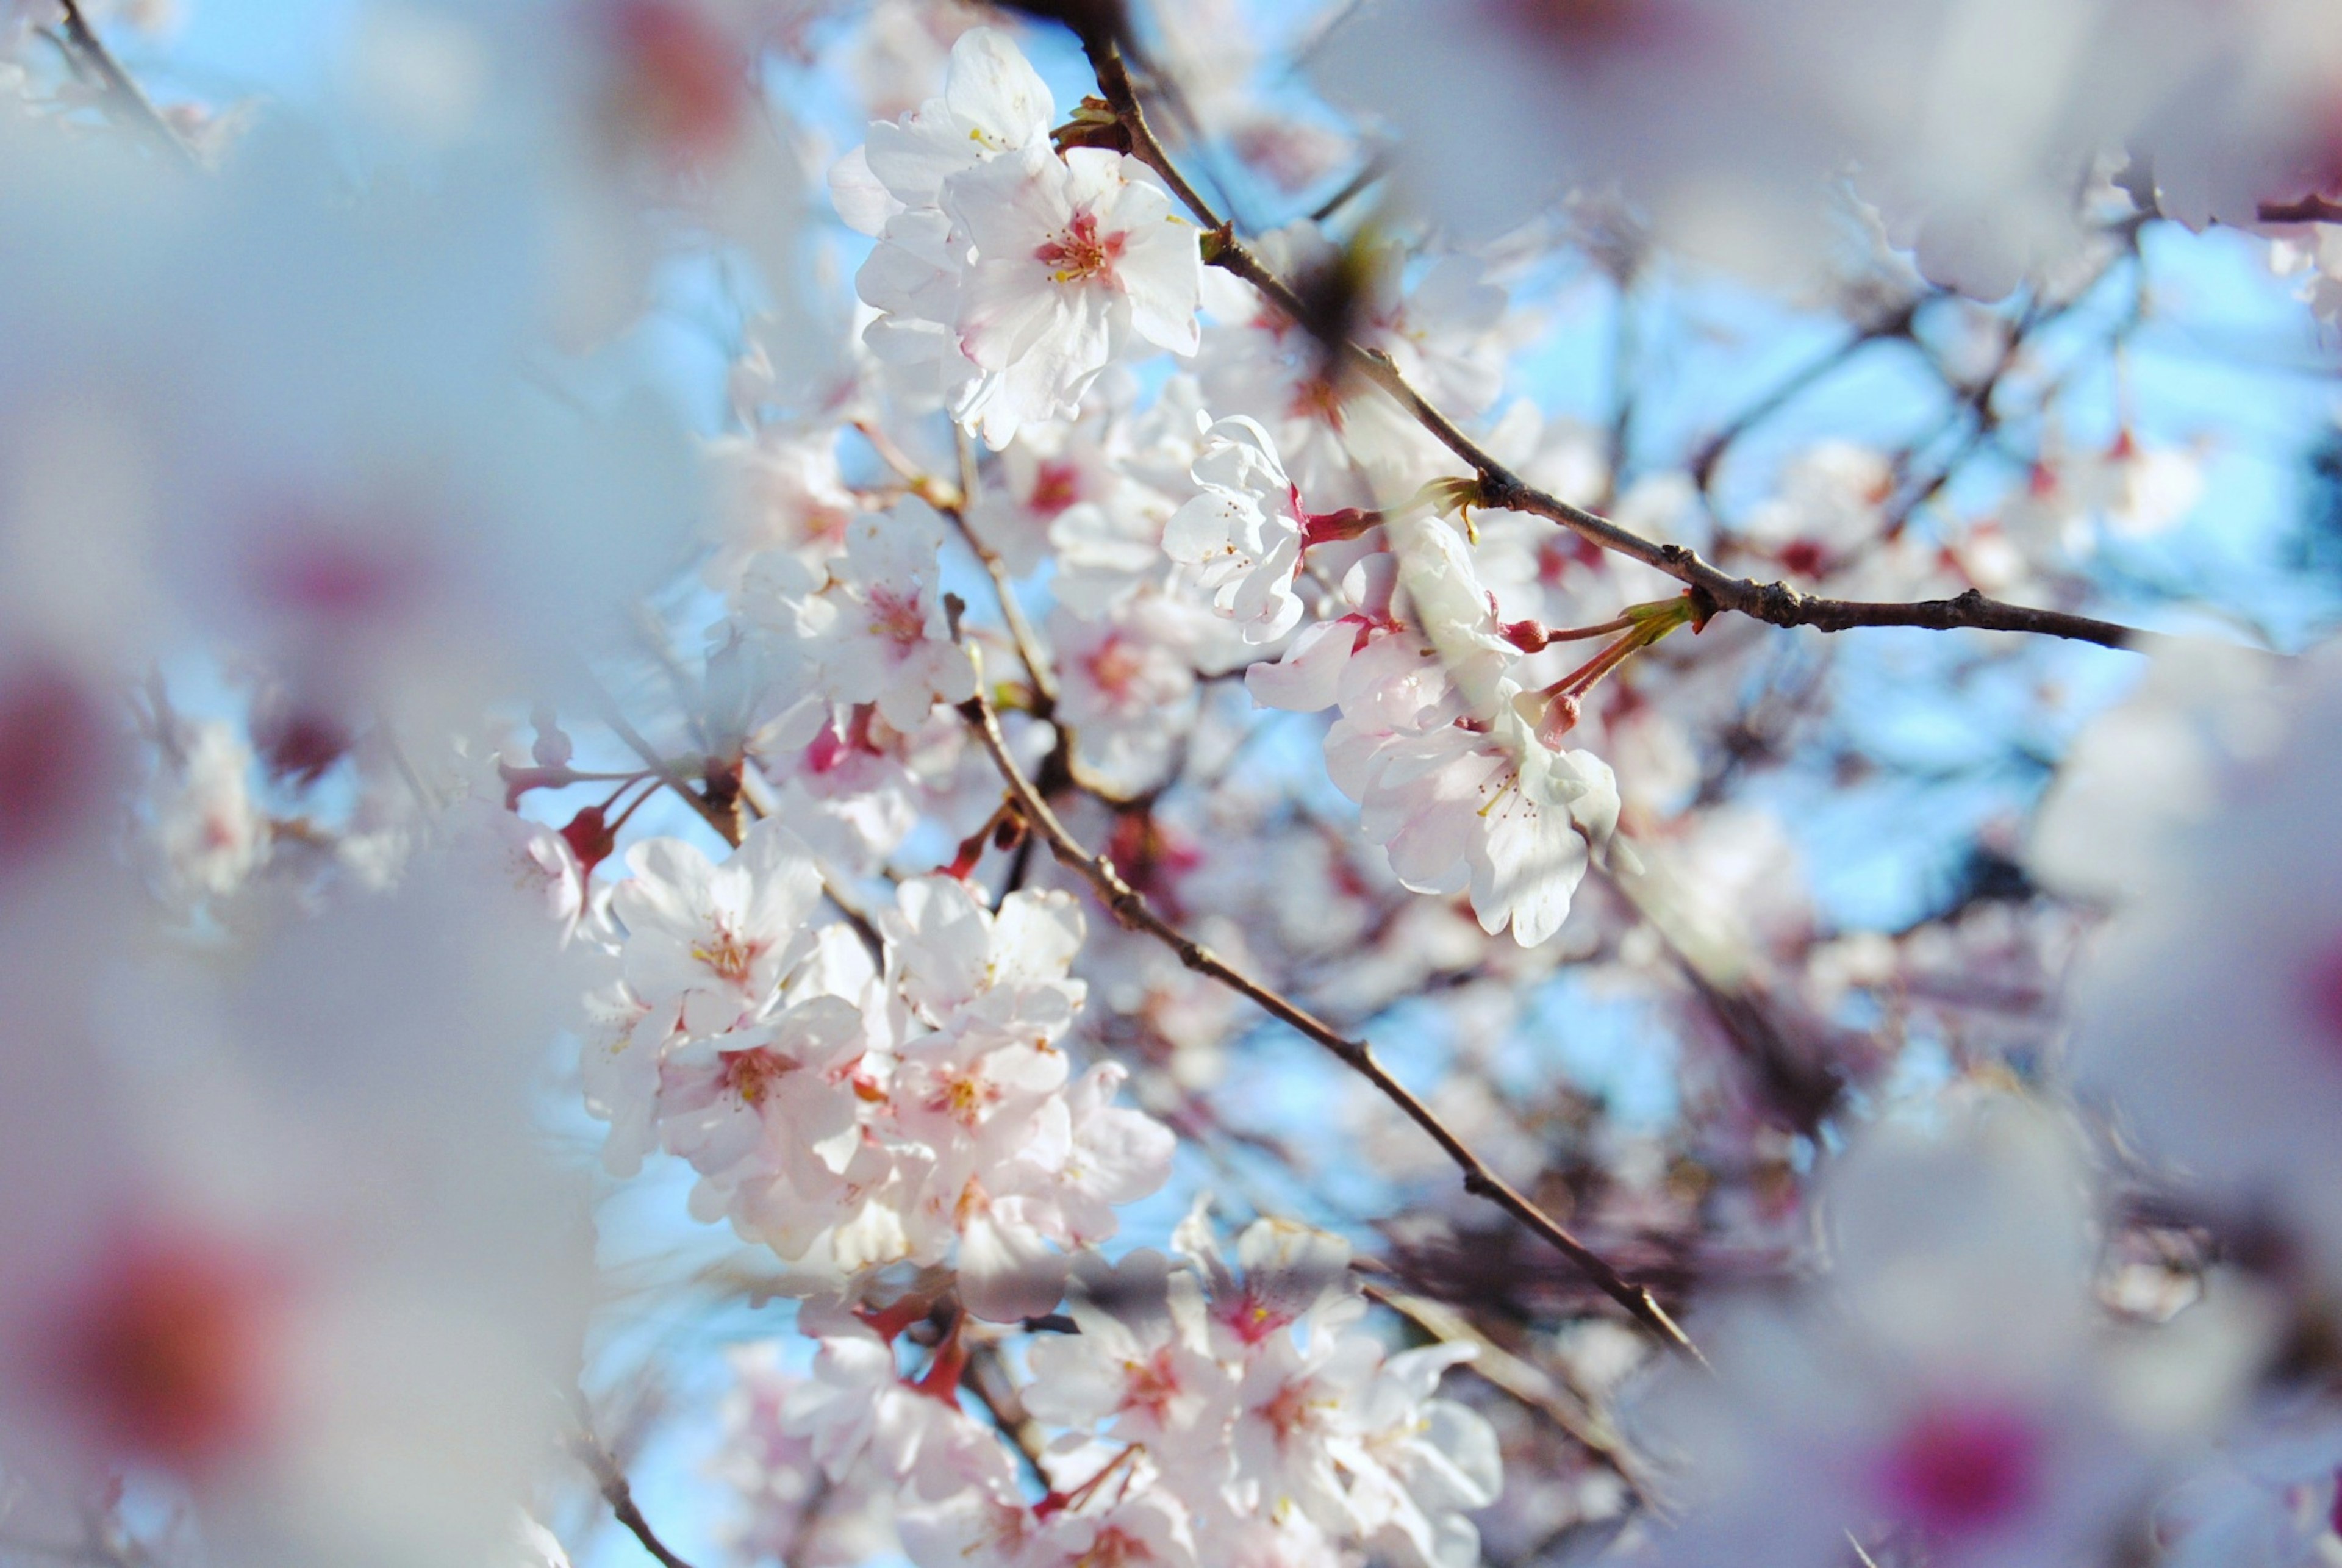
{"x": 2311, "y": 209}
{"x": 1020, "y": 630}
{"x": 1897, "y": 324}
{"x": 1373, "y": 169}
{"x": 726, "y": 826}
{"x": 953, "y": 503}
{"x": 1501, "y": 489}
{"x": 617, "y": 1492}
{"x": 123, "y": 94}
{"x": 1133, "y": 912}
{"x": 758, "y": 798}
{"x": 987, "y": 1378}
{"x": 1525, "y": 1381}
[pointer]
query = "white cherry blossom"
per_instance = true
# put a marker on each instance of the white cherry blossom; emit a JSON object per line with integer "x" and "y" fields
{"x": 878, "y": 633}
{"x": 1075, "y": 258}
{"x": 707, "y": 944}
{"x": 1243, "y": 533}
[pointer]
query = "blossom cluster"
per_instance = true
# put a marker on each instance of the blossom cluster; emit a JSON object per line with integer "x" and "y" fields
{"x": 858, "y": 1112}
{"x": 1009, "y": 275}
{"x": 1204, "y": 1412}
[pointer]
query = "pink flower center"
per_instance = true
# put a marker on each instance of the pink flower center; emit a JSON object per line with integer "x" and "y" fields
{"x": 727, "y": 954}
{"x": 1574, "y": 26}
{"x": 1957, "y": 1471}
{"x": 1251, "y": 1318}
{"x": 2323, "y": 992}
{"x": 1151, "y": 1385}
{"x": 751, "y": 1074}
{"x": 898, "y": 617}
{"x": 1317, "y": 397}
{"x": 680, "y": 84}
{"x": 1079, "y": 252}
{"x": 1057, "y": 484}
{"x": 1291, "y": 1412}
{"x": 169, "y": 1348}
{"x": 1115, "y": 665}
{"x": 51, "y": 748}
{"x": 331, "y": 576}
{"x": 827, "y": 525}
{"x": 1112, "y": 1548}
{"x": 964, "y": 1098}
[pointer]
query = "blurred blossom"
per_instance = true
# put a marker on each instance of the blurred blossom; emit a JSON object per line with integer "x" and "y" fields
{"x": 214, "y": 1273}
{"x": 1970, "y": 123}
{"x": 1944, "y": 1382}
{"x": 2235, "y": 955}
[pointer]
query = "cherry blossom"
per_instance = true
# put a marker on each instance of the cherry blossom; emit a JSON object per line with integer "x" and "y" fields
{"x": 1075, "y": 258}
{"x": 1990, "y": 1424}
{"x": 1010, "y": 274}
{"x": 2247, "y": 905}
{"x": 1243, "y": 533}
{"x": 878, "y": 633}
{"x": 710, "y": 942}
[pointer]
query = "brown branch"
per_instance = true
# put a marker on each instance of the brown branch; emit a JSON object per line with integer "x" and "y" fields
{"x": 1134, "y": 913}
{"x": 2312, "y": 209}
{"x": 987, "y": 1378}
{"x": 1501, "y": 489}
{"x": 618, "y": 1492}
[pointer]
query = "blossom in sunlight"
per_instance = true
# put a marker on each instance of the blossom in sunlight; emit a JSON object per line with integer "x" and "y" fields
{"x": 1243, "y": 533}
{"x": 654, "y": 814}
{"x": 1451, "y": 777}
{"x": 1078, "y": 259}
{"x": 1127, "y": 685}
{"x": 1007, "y": 275}
{"x": 878, "y": 633}
{"x": 211, "y": 835}
{"x": 1208, "y": 1413}
{"x": 709, "y": 942}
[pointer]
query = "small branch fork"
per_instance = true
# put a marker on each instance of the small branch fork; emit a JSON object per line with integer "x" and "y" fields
{"x": 1132, "y": 911}
{"x": 1501, "y": 489}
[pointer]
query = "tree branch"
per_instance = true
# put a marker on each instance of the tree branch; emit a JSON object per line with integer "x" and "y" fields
{"x": 619, "y": 1493}
{"x": 1501, "y": 489}
{"x": 2310, "y": 209}
{"x": 1133, "y": 913}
